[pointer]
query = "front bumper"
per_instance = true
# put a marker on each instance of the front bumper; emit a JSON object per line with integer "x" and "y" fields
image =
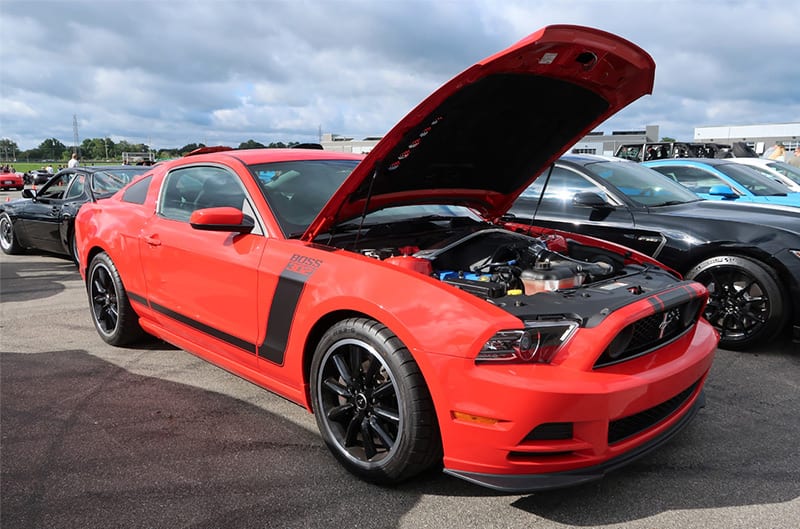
{"x": 524, "y": 483}
{"x": 557, "y": 425}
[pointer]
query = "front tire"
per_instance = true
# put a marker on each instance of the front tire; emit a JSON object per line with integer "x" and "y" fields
{"x": 745, "y": 304}
{"x": 112, "y": 314}
{"x": 371, "y": 403}
{"x": 8, "y": 241}
{"x": 73, "y": 248}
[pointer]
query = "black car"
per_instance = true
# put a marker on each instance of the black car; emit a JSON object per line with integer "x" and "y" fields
{"x": 37, "y": 176}
{"x": 642, "y": 152}
{"x": 44, "y": 219}
{"x": 747, "y": 255}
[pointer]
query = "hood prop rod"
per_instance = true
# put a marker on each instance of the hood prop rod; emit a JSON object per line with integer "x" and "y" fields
{"x": 366, "y": 208}
{"x": 541, "y": 195}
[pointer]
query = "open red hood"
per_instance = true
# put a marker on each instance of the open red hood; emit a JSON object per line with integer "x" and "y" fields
{"x": 484, "y": 136}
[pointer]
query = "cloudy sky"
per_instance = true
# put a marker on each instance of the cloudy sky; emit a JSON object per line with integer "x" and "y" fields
{"x": 171, "y": 72}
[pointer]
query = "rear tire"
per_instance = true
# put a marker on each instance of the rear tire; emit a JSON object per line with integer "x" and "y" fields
{"x": 8, "y": 241}
{"x": 113, "y": 317}
{"x": 745, "y": 303}
{"x": 372, "y": 405}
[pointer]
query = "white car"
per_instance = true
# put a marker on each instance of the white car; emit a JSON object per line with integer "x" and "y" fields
{"x": 782, "y": 172}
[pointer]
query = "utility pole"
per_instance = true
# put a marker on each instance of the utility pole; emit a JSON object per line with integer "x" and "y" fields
{"x": 75, "y": 133}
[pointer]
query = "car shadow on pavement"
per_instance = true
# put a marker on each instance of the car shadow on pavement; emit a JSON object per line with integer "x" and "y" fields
{"x": 740, "y": 450}
{"x": 88, "y": 444}
{"x": 25, "y": 280}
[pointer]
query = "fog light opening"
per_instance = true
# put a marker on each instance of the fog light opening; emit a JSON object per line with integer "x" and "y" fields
{"x": 620, "y": 343}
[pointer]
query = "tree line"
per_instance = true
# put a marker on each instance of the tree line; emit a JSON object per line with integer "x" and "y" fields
{"x": 103, "y": 149}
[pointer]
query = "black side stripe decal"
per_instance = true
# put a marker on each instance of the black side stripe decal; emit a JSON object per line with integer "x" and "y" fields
{"x": 211, "y": 331}
{"x": 290, "y": 287}
{"x": 138, "y": 299}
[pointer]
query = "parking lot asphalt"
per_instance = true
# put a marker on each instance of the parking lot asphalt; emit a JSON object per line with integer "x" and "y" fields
{"x": 93, "y": 436}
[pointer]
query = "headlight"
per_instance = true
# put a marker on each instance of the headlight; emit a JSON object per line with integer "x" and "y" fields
{"x": 537, "y": 343}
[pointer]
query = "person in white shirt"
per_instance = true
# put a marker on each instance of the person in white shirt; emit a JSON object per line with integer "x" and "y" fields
{"x": 73, "y": 161}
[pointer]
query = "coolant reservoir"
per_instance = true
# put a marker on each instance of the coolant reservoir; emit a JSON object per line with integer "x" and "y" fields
{"x": 544, "y": 278}
{"x": 409, "y": 262}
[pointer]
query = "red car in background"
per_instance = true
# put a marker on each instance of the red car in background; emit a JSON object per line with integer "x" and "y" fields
{"x": 9, "y": 180}
{"x": 383, "y": 294}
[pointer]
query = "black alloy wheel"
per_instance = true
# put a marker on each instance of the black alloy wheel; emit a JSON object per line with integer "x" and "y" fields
{"x": 371, "y": 403}
{"x": 8, "y": 242}
{"x": 112, "y": 314}
{"x": 745, "y": 304}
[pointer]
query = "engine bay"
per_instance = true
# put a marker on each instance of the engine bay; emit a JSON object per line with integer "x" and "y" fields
{"x": 533, "y": 277}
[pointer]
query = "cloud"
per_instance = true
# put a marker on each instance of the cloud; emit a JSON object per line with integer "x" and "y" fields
{"x": 174, "y": 72}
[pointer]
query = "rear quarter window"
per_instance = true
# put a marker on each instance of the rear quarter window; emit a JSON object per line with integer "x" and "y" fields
{"x": 137, "y": 193}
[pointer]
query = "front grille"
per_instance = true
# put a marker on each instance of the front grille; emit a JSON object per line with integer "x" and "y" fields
{"x": 621, "y": 429}
{"x": 650, "y": 333}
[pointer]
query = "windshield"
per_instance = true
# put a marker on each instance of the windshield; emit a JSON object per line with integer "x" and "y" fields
{"x": 297, "y": 190}
{"x": 752, "y": 180}
{"x": 641, "y": 184}
{"x": 421, "y": 212}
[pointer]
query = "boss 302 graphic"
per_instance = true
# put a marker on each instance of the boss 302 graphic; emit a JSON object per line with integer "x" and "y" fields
{"x": 383, "y": 294}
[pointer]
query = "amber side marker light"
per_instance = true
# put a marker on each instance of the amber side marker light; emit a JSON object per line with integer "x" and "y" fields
{"x": 476, "y": 419}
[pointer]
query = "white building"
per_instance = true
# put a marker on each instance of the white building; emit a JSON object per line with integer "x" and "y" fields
{"x": 759, "y": 137}
{"x": 338, "y": 143}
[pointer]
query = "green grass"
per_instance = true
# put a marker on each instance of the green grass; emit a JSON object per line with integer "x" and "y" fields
{"x": 24, "y": 167}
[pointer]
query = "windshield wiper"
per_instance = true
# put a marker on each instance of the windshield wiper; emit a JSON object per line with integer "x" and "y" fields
{"x": 451, "y": 218}
{"x": 436, "y": 217}
{"x": 673, "y": 203}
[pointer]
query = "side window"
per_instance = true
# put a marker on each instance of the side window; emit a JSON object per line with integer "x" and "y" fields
{"x": 77, "y": 187}
{"x": 137, "y": 193}
{"x": 563, "y": 185}
{"x": 188, "y": 189}
{"x": 56, "y": 187}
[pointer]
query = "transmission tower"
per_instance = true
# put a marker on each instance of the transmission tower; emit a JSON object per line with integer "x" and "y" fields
{"x": 75, "y": 133}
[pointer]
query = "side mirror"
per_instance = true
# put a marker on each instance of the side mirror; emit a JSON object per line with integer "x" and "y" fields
{"x": 590, "y": 199}
{"x": 28, "y": 193}
{"x": 723, "y": 191}
{"x": 220, "y": 219}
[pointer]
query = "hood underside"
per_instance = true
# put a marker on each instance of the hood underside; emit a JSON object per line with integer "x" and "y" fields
{"x": 483, "y": 137}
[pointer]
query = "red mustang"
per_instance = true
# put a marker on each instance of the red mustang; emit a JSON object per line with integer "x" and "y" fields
{"x": 383, "y": 294}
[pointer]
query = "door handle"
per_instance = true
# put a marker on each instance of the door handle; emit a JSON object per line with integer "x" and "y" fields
{"x": 152, "y": 240}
